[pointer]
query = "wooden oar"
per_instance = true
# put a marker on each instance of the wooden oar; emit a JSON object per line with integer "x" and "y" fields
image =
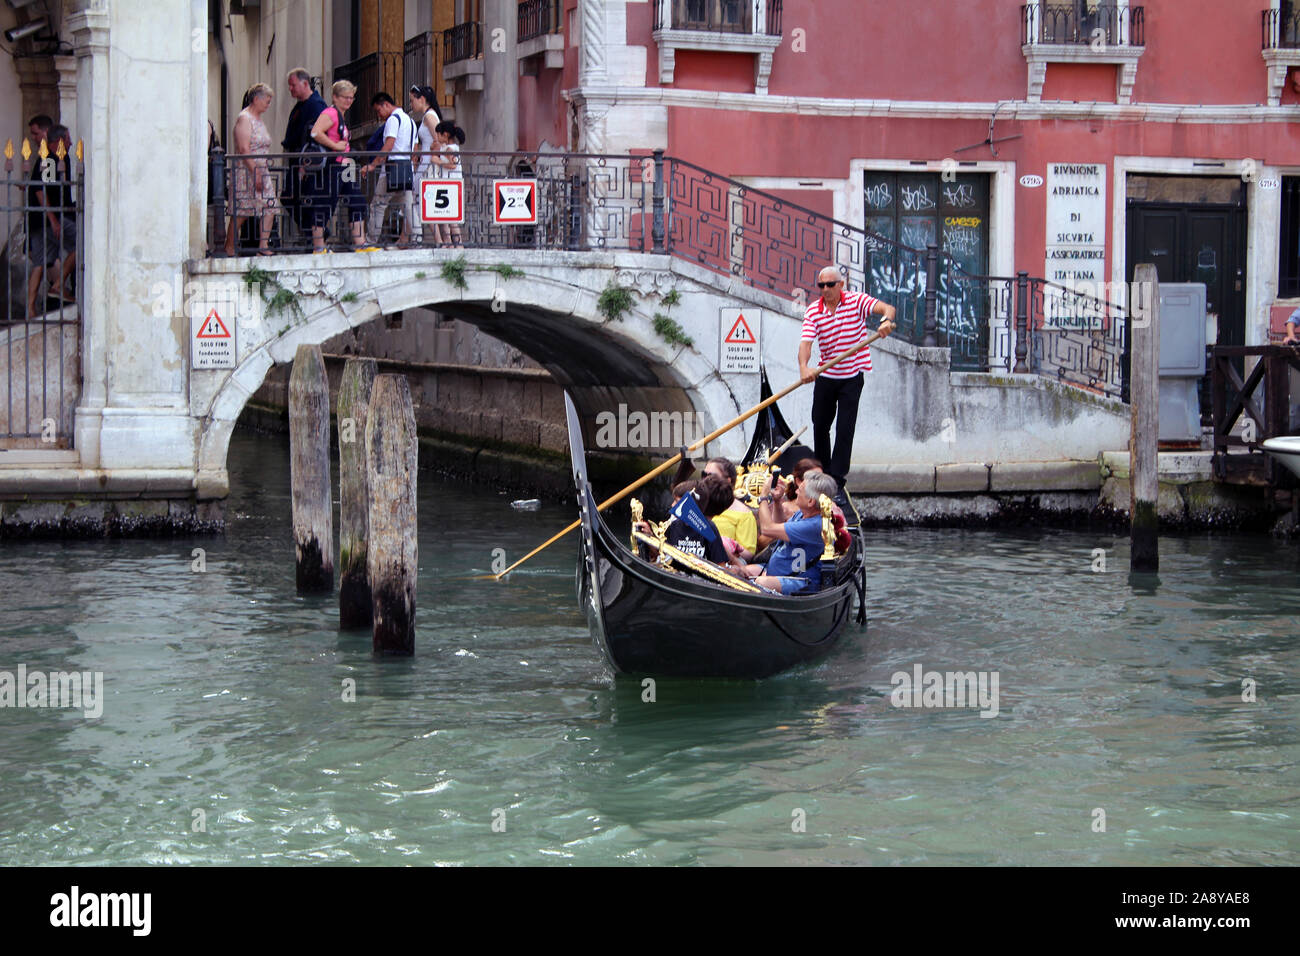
{"x": 780, "y": 451}
{"x": 651, "y": 475}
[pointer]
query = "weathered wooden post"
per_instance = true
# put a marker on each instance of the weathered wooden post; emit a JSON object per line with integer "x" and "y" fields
{"x": 1144, "y": 437}
{"x": 352, "y": 412}
{"x": 391, "y": 458}
{"x": 309, "y": 468}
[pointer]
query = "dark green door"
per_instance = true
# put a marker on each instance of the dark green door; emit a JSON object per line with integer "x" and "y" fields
{"x": 1195, "y": 242}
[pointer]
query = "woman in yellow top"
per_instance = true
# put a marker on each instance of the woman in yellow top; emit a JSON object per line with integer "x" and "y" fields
{"x": 737, "y": 522}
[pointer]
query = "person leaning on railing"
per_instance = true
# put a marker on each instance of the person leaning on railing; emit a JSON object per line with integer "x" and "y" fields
{"x": 335, "y": 179}
{"x": 51, "y": 220}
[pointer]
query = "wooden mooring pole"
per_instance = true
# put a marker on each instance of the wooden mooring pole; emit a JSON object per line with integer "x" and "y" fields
{"x": 309, "y": 467}
{"x": 1144, "y": 437}
{"x": 352, "y": 412}
{"x": 391, "y": 458}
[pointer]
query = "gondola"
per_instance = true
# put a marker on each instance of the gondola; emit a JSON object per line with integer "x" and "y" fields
{"x": 651, "y": 621}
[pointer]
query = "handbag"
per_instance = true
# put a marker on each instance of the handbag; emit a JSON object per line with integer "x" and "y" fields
{"x": 313, "y": 153}
{"x": 398, "y": 173}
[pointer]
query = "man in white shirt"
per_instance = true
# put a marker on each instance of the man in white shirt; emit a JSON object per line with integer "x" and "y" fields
{"x": 399, "y": 144}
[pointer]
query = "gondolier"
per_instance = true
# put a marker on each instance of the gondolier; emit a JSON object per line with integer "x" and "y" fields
{"x": 838, "y": 322}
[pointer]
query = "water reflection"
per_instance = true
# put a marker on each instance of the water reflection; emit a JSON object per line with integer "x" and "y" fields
{"x": 226, "y": 694}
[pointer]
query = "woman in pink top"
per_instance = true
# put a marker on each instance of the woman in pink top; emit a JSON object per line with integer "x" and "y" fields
{"x": 324, "y": 187}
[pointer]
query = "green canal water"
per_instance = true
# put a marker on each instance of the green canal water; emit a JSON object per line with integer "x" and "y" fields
{"x": 225, "y": 737}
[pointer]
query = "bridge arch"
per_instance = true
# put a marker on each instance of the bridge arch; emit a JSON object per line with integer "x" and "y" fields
{"x": 550, "y": 313}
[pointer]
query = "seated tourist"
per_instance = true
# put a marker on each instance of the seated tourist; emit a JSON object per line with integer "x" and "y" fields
{"x": 737, "y": 522}
{"x": 691, "y": 528}
{"x": 811, "y": 466}
{"x": 795, "y": 563}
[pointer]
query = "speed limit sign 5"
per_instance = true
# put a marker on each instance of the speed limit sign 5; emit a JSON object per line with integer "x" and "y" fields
{"x": 442, "y": 200}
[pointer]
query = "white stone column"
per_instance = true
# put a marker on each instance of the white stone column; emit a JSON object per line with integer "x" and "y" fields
{"x": 499, "y": 104}
{"x": 67, "y": 70}
{"x": 198, "y": 129}
{"x": 591, "y": 61}
{"x": 140, "y": 224}
{"x": 89, "y": 29}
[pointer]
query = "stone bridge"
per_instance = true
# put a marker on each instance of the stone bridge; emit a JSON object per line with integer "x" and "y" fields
{"x": 546, "y": 304}
{"x": 923, "y": 428}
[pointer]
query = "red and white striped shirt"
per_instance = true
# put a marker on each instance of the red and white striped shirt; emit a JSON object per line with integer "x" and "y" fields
{"x": 836, "y": 334}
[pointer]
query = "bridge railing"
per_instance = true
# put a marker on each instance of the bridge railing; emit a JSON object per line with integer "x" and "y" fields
{"x": 42, "y": 201}
{"x": 584, "y": 201}
{"x": 650, "y": 202}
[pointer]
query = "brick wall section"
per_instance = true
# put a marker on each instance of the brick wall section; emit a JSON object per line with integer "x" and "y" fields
{"x": 463, "y": 382}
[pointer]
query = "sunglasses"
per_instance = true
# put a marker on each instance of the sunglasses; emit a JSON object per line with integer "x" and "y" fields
{"x": 828, "y": 285}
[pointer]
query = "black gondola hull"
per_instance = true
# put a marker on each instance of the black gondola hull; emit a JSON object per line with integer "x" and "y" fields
{"x": 651, "y": 621}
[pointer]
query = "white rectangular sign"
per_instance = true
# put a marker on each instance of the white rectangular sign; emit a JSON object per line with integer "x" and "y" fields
{"x": 738, "y": 333}
{"x": 212, "y": 336}
{"x": 442, "y": 200}
{"x": 1076, "y": 223}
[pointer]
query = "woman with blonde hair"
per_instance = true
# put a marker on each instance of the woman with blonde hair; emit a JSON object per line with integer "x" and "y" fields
{"x": 326, "y": 181}
{"x": 252, "y": 191}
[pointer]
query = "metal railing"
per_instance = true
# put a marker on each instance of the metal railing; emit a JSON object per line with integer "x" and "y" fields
{"x": 659, "y": 204}
{"x": 371, "y": 74}
{"x": 40, "y": 326}
{"x": 1074, "y": 24}
{"x": 537, "y": 17}
{"x": 464, "y": 41}
{"x": 1281, "y": 29}
{"x": 1269, "y": 382}
{"x": 719, "y": 16}
{"x": 422, "y": 63}
{"x": 584, "y": 202}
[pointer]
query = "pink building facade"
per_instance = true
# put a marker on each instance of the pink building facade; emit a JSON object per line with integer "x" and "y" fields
{"x": 1066, "y": 139}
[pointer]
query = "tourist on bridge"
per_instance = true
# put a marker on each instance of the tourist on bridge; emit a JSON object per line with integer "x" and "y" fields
{"x": 423, "y": 101}
{"x": 326, "y": 184}
{"x": 306, "y": 110}
{"x": 396, "y": 175}
{"x": 838, "y": 321}
{"x": 252, "y": 190}
{"x": 447, "y": 160}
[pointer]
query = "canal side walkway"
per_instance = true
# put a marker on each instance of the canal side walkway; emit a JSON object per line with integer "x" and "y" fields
{"x": 1072, "y": 492}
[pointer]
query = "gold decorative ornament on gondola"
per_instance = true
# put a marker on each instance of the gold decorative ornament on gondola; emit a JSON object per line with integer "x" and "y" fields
{"x": 659, "y": 529}
{"x": 828, "y": 528}
{"x": 700, "y": 566}
{"x": 749, "y": 482}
